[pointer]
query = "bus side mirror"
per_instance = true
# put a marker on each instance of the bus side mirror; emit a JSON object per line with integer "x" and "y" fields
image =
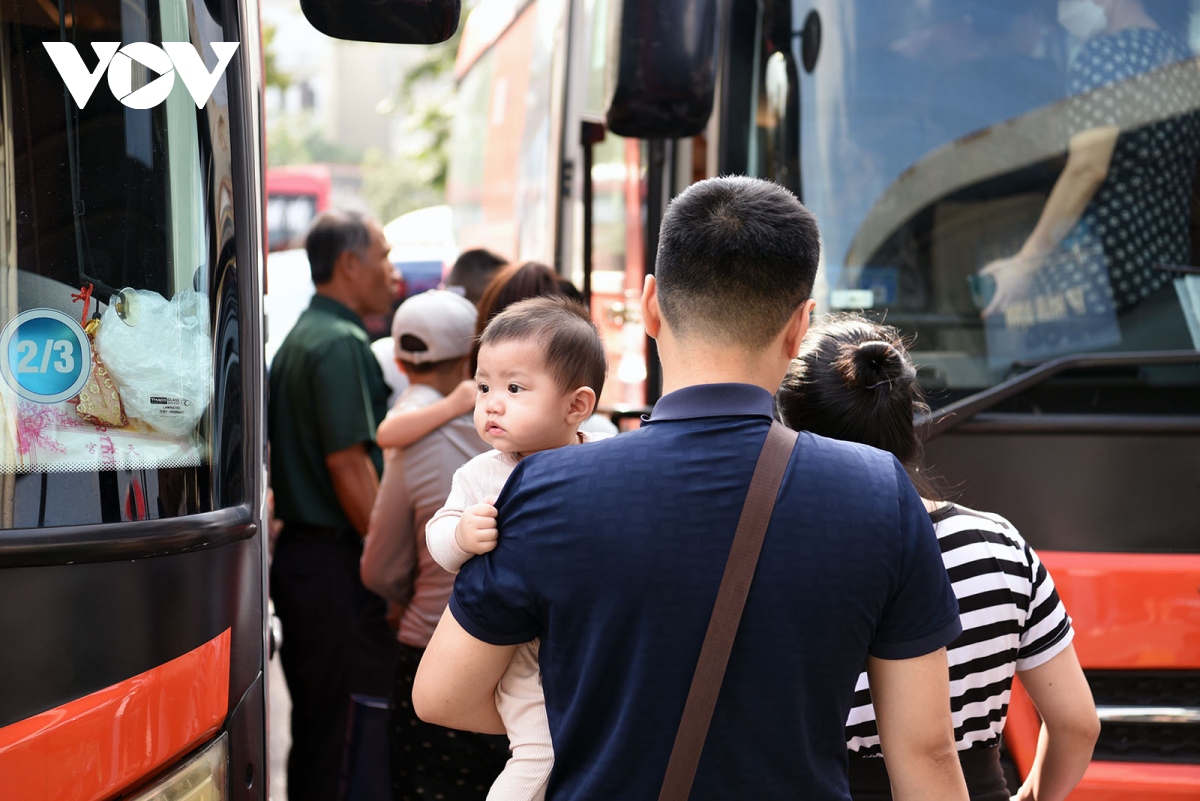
{"x": 661, "y": 68}
{"x": 389, "y": 21}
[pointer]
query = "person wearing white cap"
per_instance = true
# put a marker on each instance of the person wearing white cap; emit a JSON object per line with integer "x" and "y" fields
{"x": 432, "y": 334}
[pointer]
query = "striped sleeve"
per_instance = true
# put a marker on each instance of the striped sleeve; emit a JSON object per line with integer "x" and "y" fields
{"x": 1012, "y": 619}
{"x": 1048, "y": 628}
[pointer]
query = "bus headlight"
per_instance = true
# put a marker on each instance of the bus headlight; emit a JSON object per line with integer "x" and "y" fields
{"x": 201, "y": 778}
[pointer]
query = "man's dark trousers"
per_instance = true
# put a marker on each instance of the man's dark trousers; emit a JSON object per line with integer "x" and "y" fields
{"x": 335, "y": 642}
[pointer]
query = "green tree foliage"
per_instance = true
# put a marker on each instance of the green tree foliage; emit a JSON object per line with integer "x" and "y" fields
{"x": 273, "y": 76}
{"x": 294, "y": 141}
{"x": 426, "y": 95}
{"x": 393, "y": 186}
{"x": 424, "y": 101}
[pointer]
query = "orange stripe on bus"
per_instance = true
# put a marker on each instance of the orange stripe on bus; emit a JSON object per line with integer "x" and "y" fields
{"x": 1130, "y": 612}
{"x": 93, "y": 747}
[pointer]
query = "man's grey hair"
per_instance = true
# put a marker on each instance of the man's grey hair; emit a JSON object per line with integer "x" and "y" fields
{"x": 331, "y": 234}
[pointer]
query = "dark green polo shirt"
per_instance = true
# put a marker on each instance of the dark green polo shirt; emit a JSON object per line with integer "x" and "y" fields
{"x": 326, "y": 394}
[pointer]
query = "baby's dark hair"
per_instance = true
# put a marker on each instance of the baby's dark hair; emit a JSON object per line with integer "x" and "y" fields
{"x": 854, "y": 381}
{"x": 571, "y": 345}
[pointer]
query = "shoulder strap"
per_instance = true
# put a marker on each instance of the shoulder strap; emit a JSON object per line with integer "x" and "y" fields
{"x": 727, "y": 613}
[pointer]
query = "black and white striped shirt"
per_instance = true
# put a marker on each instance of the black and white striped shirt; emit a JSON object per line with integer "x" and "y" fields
{"x": 1012, "y": 620}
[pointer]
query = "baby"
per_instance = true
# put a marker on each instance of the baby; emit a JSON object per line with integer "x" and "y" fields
{"x": 541, "y": 369}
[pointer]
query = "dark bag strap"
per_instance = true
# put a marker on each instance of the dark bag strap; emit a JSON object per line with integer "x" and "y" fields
{"x": 727, "y": 613}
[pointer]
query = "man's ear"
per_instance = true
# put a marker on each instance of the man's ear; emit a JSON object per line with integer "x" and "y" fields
{"x": 651, "y": 316}
{"x": 582, "y": 402}
{"x": 797, "y": 327}
{"x": 345, "y": 264}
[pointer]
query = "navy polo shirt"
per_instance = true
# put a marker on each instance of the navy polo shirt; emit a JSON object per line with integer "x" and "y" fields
{"x": 612, "y": 553}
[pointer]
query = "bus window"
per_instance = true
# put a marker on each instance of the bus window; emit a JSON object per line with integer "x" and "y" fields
{"x": 107, "y": 338}
{"x": 944, "y": 146}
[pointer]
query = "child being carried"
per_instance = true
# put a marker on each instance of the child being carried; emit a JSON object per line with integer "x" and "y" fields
{"x": 541, "y": 369}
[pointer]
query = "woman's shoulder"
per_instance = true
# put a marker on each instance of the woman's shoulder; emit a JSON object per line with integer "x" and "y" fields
{"x": 956, "y": 515}
{"x": 952, "y": 518}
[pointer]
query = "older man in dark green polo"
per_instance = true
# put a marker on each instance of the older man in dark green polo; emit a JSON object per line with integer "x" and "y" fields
{"x": 327, "y": 395}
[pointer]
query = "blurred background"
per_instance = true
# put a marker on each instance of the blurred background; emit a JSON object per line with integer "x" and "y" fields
{"x": 351, "y": 125}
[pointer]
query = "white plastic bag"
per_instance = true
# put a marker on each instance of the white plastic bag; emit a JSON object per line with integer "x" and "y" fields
{"x": 160, "y": 354}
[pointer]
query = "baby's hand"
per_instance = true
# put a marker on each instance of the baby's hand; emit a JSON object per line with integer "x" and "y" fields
{"x": 477, "y": 532}
{"x": 463, "y": 396}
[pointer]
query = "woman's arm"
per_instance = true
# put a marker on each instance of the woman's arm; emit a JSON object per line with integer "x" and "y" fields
{"x": 402, "y": 428}
{"x": 1089, "y": 156}
{"x": 1069, "y": 727}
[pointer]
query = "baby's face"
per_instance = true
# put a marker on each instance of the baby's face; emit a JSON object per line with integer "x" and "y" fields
{"x": 519, "y": 407}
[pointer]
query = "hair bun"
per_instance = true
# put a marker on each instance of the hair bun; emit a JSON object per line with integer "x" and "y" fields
{"x": 870, "y": 364}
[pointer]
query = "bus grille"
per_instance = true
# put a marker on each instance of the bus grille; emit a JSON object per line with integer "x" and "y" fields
{"x": 1142, "y": 740}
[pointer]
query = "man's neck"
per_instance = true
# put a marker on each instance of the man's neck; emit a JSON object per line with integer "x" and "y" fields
{"x": 706, "y": 364}
{"x": 335, "y": 291}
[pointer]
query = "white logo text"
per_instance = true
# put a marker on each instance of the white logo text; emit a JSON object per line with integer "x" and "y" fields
{"x": 179, "y": 57}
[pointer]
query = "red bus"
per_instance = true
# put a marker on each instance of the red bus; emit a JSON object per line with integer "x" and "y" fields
{"x": 132, "y": 479}
{"x": 295, "y": 195}
{"x": 927, "y": 138}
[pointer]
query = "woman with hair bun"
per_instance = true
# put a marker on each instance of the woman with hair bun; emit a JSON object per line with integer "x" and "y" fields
{"x": 854, "y": 380}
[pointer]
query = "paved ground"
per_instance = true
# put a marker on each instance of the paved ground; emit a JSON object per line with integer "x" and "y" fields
{"x": 278, "y": 734}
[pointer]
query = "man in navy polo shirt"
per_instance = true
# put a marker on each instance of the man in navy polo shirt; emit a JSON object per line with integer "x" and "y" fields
{"x": 612, "y": 553}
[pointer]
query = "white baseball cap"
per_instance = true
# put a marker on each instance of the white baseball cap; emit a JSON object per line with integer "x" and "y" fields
{"x": 434, "y": 326}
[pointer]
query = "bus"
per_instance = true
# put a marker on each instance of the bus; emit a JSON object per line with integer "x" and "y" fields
{"x": 132, "y": 481}
{"x": 930, "y": 138}
{"x": 295, "y": 195}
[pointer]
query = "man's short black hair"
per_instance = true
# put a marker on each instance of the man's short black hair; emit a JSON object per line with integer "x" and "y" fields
{"x": 473, "y": 270}
{"x": 331, "y": 234}
{"x": 736, "y": 257}
{"x": 571, "y": 345}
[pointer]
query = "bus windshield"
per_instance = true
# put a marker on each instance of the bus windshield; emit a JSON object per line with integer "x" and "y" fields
{"x": 107, "y": 343}
{"x": 1006, "y": 182}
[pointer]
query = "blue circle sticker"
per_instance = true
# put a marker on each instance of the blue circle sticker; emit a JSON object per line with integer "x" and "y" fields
{"x": 45, "y": 355}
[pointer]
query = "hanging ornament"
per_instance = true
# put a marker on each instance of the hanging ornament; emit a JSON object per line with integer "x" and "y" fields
{"x": 99, "y": 400}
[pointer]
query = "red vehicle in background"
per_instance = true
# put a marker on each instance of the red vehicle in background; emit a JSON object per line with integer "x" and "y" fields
{"x": 295, "y": 195}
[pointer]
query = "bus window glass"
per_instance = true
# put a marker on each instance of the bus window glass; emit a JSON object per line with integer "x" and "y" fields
{"x": 487, "y": 138}
{"x": 598, "y": 12}
{"x": 106, "y": 330}
{"x": 464, "y": 182}
{"x": 616, "y": 244}
{"x": 1007, "y": 187}
{"x": 537, "y": 173}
